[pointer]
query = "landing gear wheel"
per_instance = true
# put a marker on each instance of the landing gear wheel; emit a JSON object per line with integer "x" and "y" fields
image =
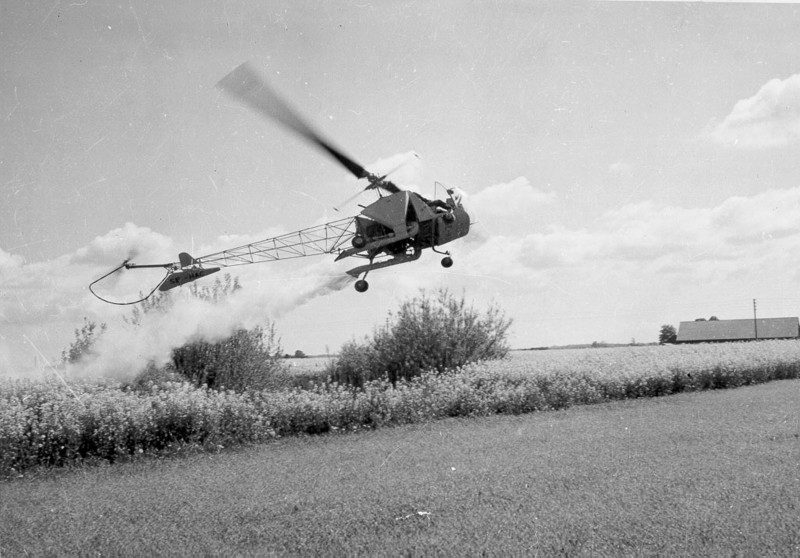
{"x": 362, "y": 286}
{"x": 447, "y": 261}
{"x": 359, "y": 242}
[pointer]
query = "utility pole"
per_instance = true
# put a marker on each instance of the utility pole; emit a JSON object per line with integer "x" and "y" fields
{"x": 755, "y": 319}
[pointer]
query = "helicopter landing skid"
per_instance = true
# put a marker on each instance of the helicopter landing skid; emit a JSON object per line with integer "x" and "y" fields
{"x": 362, "y": 285}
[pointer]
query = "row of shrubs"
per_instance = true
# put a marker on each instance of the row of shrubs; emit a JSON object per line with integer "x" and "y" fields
{"x": 433, "y": 331}
{"x": 53, "y": 424}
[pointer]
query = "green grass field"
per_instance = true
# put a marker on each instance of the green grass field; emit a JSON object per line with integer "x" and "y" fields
{"x": 705, "y": 473}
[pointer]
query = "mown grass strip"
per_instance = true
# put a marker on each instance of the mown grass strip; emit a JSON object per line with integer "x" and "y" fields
{"x": 711, "y": 473}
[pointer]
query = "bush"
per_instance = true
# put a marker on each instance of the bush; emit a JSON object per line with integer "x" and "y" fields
{"x": 248, "y": 359}
{"x": 153, "y": 377}
{"x": 438, "y": 332}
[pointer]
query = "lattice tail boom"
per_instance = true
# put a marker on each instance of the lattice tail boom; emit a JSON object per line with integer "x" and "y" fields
{"x": 327, "y": 238}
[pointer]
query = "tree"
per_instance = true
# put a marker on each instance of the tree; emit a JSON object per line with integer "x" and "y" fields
{"x": 668, "y": 335}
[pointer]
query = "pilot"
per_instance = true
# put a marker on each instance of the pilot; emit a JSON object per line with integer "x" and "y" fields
{"x": 456, "y": 194}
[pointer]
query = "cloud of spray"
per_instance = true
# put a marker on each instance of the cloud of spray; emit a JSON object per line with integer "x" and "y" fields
{"x": 125, "y": 349}
{"x": 324, "y": 286}
{"x": 46, "y": 300}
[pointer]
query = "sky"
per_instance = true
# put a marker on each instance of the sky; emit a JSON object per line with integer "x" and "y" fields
{"x": 626, "y": 164}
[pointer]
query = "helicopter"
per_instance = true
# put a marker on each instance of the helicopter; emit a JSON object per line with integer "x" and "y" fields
{"x": 392, "y": 230}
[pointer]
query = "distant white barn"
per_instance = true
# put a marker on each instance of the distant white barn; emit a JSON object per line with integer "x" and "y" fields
{"x": 709, "y": 331}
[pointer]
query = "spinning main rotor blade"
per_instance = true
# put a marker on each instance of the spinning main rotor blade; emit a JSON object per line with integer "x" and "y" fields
{"x": 348, "y": 200}
{"x": 246, "y": 85}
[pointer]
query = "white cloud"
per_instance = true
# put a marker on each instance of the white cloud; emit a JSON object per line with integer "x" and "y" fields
{"x": 621, "y": 168}
{"x": 770, "y": 118}
{"x": 45, "y": 294}
{"x": 508, "y": 206}
{"x": 405, "y": 169}
{"x": 127, "y": 242}
{"x": 741, "y": 231}
{"x": 9, "y": 261}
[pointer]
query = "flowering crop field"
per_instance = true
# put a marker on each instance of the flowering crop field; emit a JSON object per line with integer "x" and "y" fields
{"x": 730, "y": 363}
{"x": 50, "y": 423}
